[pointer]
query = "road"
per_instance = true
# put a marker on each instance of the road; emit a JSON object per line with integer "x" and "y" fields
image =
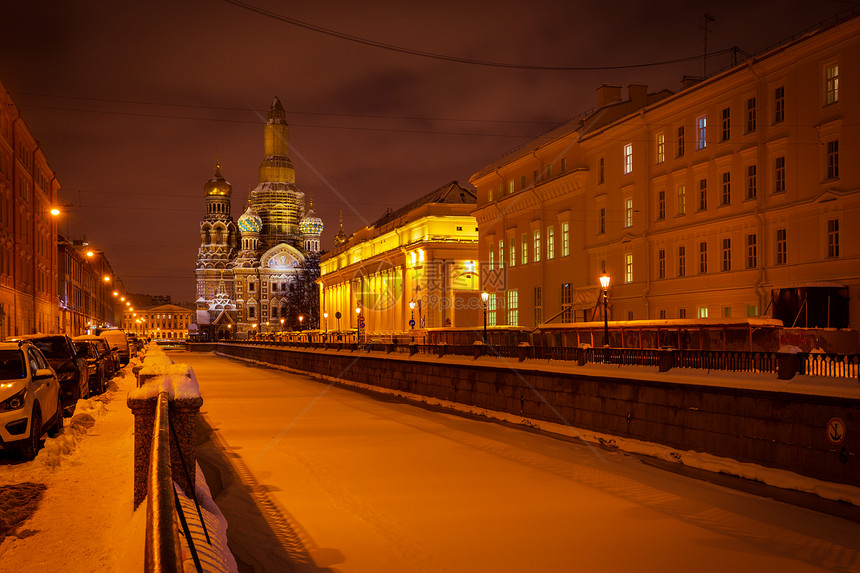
{"x": 354, "y": 482}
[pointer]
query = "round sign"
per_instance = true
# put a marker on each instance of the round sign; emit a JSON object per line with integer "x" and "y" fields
{"x": 412, "y": 323}
{"x": 337, "y": 315}
{"x": 836, "y": 431}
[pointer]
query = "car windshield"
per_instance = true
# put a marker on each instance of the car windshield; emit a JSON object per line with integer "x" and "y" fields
{"x": 11, "y": 364}
{"x": 52, "y": 347}
{"x": 83, "y": 349}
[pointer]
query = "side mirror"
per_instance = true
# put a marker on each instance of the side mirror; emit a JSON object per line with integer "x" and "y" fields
{"x": 43, "y": 373}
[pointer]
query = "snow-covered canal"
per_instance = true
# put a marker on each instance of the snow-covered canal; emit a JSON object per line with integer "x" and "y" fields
{"x": 364, "y": 483}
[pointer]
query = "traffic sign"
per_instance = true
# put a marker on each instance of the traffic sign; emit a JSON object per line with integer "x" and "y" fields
{"x": 836, "y": 431}
{"x": 412, "y": 323}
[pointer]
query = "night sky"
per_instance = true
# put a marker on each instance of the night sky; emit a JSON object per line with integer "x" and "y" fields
{"x": 133, "y": 102}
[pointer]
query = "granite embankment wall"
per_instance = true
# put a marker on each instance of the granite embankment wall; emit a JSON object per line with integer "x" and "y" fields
{"x": 774, "y": 429}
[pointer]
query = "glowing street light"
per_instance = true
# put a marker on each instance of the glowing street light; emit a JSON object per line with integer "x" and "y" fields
{"x": 604, "y": 284}
{"x": 301, "y": 320}
{"x": 484, "y": 297}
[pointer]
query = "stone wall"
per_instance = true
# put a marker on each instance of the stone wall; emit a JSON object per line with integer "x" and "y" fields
{"x": 774, "y": 429}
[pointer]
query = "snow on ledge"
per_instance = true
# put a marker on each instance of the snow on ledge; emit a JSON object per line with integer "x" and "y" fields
{"x": 178, "y": 380}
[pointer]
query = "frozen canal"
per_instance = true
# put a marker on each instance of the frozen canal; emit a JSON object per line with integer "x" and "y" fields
{"x": 352, "y": 482}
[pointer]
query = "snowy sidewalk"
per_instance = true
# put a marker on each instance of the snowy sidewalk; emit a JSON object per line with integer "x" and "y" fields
{"x": 84, "y": 521}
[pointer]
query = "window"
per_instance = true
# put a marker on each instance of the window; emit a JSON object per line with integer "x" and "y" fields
{"x": 703, "y": 194}
{"x": 490, "y": 194}
{"x": 251, "y": 287}
{"x": 752, "y": 251}
{"x": 535, "y": 177}
{"x": 703, "y": 312}
{"x": 251, "y": 311}
{"x": 831, "y": 84}
{"x": 492, "y": 260}
{"x": 563, "y": 165}
{"x": 779, "y": 104}
{"x": 701, "y": 132}
{"x": 752, "y": 310}
{"x": 491, "y": 310}
{"x": 661, "y": 148}
{"x": 513, "y": 257}
{"x": 550, "y": 242}
{"x": 567, "y": 314}
{"x": 511, "y": 186}
{"x": 661, "y": 204}
{"x": 548, "y": 171}
{"x": 661, "y": 264}
{"x": 682, "y": 199}
{"x": 628, "y": 212}
{"x": 538, "y": 305}
{"x": 727, "y": 255}
{"x": 726, "y": 131}
{"x": 727, "y": 312}
{"x": 601, "y": 170}
{"x": 513, "y": 310}
{"x": 833, "y": 159}
{"x": 565, "y": 239}
{"x": 703, "y": 257}
{"x": 628, "y": 158}
{"x": 628, "y": 268}
{"x": 602, "y": 220}
{"x": 501, "y": 254}
{"x": 536, "y": 253}
{"x": 523, "y": 182}
{"x": 524, "y": 248}
{"x": 751, "y": 182}
{"x": 751, "y": 115}
{"x": 781, "y": 247}
{"x": 833, "y": 238}
{"x": 726, "y": 196}
{"x": 779, "y": 175}
{"x": 681, "y": 141}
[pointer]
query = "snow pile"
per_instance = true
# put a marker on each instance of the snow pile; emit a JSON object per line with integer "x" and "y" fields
{"x": 214, "y": 557}
{"x": 178, "y": 380}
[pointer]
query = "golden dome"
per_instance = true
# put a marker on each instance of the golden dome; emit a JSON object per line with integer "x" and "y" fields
{"x": 217, "y": 185}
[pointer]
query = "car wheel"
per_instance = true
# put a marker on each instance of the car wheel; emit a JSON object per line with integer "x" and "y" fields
{"x": 57, "y": 427}
{"x": 31, "y": 448}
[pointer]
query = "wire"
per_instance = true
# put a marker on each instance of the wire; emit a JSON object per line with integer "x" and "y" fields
{"x": 443, "y": 57}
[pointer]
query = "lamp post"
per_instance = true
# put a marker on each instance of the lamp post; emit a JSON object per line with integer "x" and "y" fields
{"x": 282, "y": 324}
{"x": 358, "y": 324}
{"x": 325, "y": 322}
{"x": 301, "y": 320}
{"x": 484, "y": 297}
{"x": 604, "y": 284}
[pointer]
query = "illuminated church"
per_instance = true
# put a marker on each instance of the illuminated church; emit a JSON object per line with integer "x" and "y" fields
{"x": 247, "y": 271}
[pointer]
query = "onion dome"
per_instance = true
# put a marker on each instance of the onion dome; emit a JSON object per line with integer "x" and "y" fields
{"x": 249, "y": 222}
{"x": 217, "y": 185}
{"x": 310, "y": 223}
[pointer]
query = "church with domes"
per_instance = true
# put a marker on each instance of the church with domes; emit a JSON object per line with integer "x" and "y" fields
{"x": 249, "y": 273}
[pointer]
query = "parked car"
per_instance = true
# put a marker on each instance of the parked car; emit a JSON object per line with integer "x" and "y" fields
{"x": 29, "y": 398}
{"x": 134, "y": 341}
{"x": 117, "y": 339}
{"x": 110, "y": 355}
{"x": 95, "y": 365}
{"x": 70, "y": 368}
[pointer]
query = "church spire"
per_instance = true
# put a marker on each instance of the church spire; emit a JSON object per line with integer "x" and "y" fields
{"x": 276, "y": 166}
{"x": 341, "y": 237}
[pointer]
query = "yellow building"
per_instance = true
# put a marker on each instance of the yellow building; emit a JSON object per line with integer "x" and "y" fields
{"x": 424, "y": 253}
{"x": 724, "y": 200}
{"x": 168, "y": 322}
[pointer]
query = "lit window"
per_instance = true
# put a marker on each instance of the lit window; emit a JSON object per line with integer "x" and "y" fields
{"x": 511, "y": 186}
{"x": 831, "y": 84}
{"x": 661, "y": 147}
{"x": 628, "y": 212}
{"x": 501, "y": 254}
{"x": 536, "y": 253}
{"x": 752, "y": 310}
{"x": 751, "y": 182}
{"x": 779, "y": 104}
{"x": 491, "y": 310}
{"x": 833, "y": 238}
{"x": 524, "y": 247}
{"x": 513, "y": 257}
{"x": 628, "y": 158}
{"x": 550, "y": 242}
{"x": 628, "y": 268}
{"x": 490, "y": 194}
{"x": 565, "y": 239}
{"x": 682, "y": 199}
{"x": 513, "y": 310}
{"x": 726, "y": 196}
{"x": 492, "y": 260}
{"x": 703, "y": 312}
{"x": 701, "y": 132}
{"x": 727, "y": 255}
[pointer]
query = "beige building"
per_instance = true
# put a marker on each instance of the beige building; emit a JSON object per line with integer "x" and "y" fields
{"x": 424, "y": 253}
{"x": 732, "y": 198}
{"x": 168, "y": 321}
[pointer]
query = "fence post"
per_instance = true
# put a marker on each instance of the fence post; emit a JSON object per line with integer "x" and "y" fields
{"x": 666, "y": 359}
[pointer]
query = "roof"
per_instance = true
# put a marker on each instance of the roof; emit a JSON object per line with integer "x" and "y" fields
{"x": 451, "y": 193}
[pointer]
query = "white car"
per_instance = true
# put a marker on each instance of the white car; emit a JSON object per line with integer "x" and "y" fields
{"x": 29, "y": 398}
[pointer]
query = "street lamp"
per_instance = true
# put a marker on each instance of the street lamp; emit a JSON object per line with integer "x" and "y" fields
{"x": 325, "y": 322}
{"x": 412, "y": 320}
{"x": 604, "y": 284}
{"x": 282, "y": 324}
{"x": 484, "y": 297}
{"x": 301, "y": 318}
{"x": 358, "y": 325}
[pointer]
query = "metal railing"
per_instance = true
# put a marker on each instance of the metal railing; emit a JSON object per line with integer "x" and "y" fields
{"x": 815, "y": 364}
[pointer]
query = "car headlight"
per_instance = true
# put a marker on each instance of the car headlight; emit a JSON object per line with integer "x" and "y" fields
{"x": 15, "y": 402}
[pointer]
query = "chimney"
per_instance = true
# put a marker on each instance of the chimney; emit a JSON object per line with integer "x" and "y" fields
{"x": 607, "y": 94}
{"x": 638, "y": 94}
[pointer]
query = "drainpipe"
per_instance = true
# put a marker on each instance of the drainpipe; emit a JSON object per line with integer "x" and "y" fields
{"x": 646, "y": 211}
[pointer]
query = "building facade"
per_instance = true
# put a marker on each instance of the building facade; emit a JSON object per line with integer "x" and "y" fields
{"x": 165, "y": 322}
{"x": 424, "y": 253}
{"x": 247, "y": 272}
{"x": 28, "y": 253}
{"x": 729, "y": 199}
{"x": 88, "y": 290}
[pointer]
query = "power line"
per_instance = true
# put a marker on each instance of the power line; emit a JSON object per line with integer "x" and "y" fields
{"x": 443, "y": 57}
